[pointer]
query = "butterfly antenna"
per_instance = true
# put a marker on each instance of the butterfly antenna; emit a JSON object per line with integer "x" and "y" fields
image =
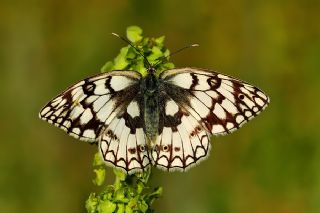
{"x": 175, "y": 52}
{"x": 138, "y": 51}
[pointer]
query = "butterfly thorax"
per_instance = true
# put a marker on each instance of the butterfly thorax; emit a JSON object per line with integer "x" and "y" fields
{"x": 150, "y": 89}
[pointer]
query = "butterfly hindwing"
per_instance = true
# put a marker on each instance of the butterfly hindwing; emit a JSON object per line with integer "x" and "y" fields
{"x": 123, "y": 142}
{"x": 83, "y": 109}
{"x": 220, "y": 103}
{"x": 182, "y": 141}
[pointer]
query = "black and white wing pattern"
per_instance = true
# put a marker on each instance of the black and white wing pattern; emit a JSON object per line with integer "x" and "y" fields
{"x": 182, "y": 140}
{"x": 193, "y": 105}
{"x": 104, "y": 108}
{"x": 123, "y": 142}
{"x": 196, "y": 104}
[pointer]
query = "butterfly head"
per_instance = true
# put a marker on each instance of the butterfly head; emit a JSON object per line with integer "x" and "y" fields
{"x": 151, "y": 70}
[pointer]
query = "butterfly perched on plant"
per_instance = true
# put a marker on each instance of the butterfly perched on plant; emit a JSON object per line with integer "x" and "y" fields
{"x": 164, "y": 120}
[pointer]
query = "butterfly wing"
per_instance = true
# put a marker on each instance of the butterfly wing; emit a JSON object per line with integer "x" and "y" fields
{"x": 182, "y": 141}
{"x": 123, "y": 142}
{"x": 84, "y": 109}
{"x": 205, "y": 103}
{"x": 105, "y": 108}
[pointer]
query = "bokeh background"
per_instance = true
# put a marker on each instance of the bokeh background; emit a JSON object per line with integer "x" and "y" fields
{"x": 271, "y": 165}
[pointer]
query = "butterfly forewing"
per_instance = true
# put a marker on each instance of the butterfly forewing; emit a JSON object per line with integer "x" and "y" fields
{"x": 220, "y": 103}
{"x": 84, "y": 109}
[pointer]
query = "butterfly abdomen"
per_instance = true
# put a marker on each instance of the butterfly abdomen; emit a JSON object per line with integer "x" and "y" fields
{"x": 150, "y": 89}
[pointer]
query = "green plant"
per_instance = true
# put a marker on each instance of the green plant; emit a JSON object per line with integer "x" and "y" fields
{"x": 129, "y": 193}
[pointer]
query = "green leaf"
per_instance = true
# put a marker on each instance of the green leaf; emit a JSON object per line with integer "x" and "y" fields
{"x": 128, "y": 209}
{"x": 167, "y": 53}
{"x": 157, "y": 192}
{"x": 134, "y": 34}
{"x": 121, "y": 208}
{"x": 107, "y": 66}
{"x": 168, "y": 65}
{"x": 140, "y": 187}
{"x": 91, "y": 203}
{"x": 132, "y": 53}
{"x": 143, "y": 207}
{"x": 97, "y": 160}
{"x": 159, "y": 41}
{"x": 100, "y": 176}
{"x": 156, "y": 53}
{"x": 120, "y": 62}
{"x": 119, "y": 174}
{"x": 139, "y": 66}
{"x": 154, "y": 195}
{"x": 120, "y": 196}
{"x": 107, "y": 206}
{"x": 133, "y": 203}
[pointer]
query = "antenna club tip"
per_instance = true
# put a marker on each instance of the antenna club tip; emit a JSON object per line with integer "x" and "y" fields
{"x": 115, "y": 34}
{"x": 195, "y": 45}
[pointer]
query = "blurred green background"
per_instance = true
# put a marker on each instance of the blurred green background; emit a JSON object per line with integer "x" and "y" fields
{"x": 270, "y": 165}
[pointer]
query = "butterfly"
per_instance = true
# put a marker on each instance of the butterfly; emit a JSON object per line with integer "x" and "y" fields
{"x": 163, "y": 120}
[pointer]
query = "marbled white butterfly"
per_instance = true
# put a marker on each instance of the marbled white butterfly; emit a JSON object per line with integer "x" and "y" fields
{"x": 165, "y": 121}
